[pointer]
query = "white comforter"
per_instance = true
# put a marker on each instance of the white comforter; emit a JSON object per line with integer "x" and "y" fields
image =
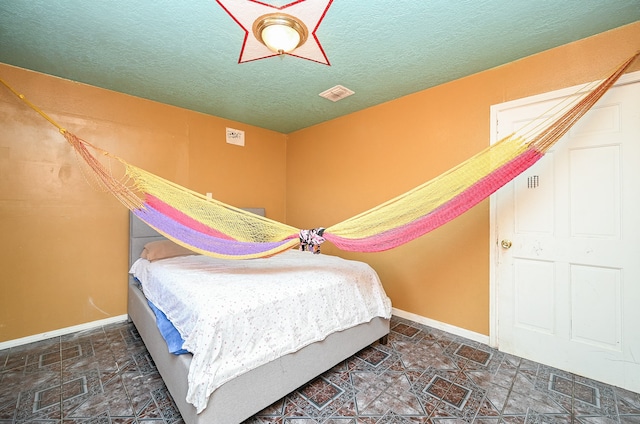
{"x": 236, "y": 315}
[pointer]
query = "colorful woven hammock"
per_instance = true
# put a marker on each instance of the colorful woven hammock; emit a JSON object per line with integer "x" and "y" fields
{"x": 214, "y": 228}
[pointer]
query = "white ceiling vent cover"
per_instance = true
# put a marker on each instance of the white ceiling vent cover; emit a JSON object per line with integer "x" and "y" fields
{"x": 336, "y": 93}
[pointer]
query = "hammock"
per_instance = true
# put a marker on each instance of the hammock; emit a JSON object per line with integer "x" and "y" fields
{"x": 213, "y": 228}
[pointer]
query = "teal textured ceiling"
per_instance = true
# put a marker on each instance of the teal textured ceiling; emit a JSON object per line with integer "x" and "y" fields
{"x": 185, "y": 53}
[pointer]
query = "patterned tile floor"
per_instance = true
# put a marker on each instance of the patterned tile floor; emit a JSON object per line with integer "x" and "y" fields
{"x": 422, "y": 375}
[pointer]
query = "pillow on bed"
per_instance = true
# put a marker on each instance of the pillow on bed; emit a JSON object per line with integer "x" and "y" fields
{"x": 163, "y": 249}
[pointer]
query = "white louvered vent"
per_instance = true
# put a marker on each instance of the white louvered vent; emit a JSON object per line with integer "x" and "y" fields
{"x": 336, "y": 93}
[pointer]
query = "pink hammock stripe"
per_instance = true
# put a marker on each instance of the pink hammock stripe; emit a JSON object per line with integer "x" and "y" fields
{"x": 443, "y": 214}
{"x": 182, "y": 218}
{"x": 202, "y": 242}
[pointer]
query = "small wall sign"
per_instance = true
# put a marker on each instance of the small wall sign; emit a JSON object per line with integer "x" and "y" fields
{"x": 235, "y": 136}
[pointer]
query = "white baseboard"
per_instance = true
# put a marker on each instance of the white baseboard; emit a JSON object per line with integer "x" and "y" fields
{"x": 457, "y": 331}
{"x": 63, "y": 331}
{"x": 480, "y": 338}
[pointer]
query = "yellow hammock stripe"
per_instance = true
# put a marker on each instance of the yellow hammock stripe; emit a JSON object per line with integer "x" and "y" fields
{"x": 237, "y": 223}
{"x": 425, "y": 198}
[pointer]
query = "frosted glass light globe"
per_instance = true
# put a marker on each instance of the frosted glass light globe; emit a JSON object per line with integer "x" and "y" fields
{"x": 280, "y": 38}
{"x": 280, "y": 32}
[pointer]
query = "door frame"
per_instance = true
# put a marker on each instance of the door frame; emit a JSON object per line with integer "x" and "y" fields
{"x": 629, "y": 78}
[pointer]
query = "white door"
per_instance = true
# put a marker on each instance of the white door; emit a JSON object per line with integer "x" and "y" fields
{"x": 566, "y": 291}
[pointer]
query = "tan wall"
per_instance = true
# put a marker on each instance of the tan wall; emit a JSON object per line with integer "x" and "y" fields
{"x": 64, "y": 246}
{"x": 371, "y": 156}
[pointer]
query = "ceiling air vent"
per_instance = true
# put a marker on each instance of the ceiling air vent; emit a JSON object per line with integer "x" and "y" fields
{"x": 336, "y": 93}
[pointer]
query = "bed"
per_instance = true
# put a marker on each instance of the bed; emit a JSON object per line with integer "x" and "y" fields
{"x": 250, "y": 392}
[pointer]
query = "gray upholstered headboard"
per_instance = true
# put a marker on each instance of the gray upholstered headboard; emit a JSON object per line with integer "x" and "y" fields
{"x": 141, "y": 234}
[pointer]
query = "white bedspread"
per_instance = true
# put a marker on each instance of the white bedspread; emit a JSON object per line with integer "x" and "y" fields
{"x": 236, "y": 315}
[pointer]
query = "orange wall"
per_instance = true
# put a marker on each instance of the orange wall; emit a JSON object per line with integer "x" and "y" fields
{"x": 64, "y": 245}
{"x": 368, "y": 157}
{"x": 64, "y": 250}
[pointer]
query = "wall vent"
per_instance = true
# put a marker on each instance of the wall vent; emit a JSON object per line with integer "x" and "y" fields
{"x": 336, "y": 93}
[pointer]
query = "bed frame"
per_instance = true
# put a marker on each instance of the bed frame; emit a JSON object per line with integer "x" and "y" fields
{"x": 249, "y": 393}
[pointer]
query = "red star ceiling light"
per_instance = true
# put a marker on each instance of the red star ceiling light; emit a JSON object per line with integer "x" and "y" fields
{"x": 274, "y": 31}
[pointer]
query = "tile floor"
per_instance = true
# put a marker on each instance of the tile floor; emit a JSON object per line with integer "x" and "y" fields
{"x": 422, "y": 375}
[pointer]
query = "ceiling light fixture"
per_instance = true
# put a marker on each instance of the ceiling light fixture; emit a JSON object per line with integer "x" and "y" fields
{"x": 280, "y": 32}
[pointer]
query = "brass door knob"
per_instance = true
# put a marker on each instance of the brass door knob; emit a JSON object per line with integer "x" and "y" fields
{"x": 505, "y": 244}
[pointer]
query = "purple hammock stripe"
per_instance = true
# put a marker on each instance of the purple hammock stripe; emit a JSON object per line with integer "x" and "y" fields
{"x": 200, "y": 240}
{"x": 453, "y": 208}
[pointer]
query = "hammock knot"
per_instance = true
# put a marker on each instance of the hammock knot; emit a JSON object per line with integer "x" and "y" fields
{"x": 311, "y": 239}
